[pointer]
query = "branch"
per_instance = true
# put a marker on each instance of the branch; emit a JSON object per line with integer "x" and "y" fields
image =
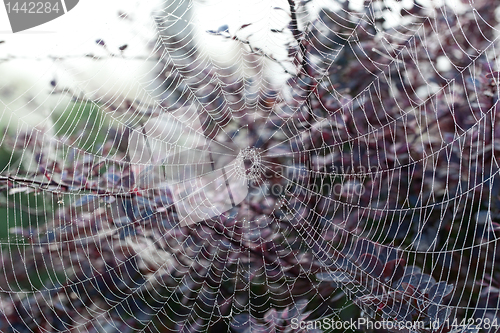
{"x": 294, "y": 27}
{"x": 61, "y": 187}
{"x": 297, "y": 34}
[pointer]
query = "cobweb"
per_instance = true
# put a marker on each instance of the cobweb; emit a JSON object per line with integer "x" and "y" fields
{"x": 297, "y": 166}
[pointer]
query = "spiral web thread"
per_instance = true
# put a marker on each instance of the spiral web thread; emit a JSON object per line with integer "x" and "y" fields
{"x": 209, "y": 195}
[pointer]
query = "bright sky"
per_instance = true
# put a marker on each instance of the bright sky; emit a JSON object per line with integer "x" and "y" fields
{"x": 27, "y": 75}
{"x": 76, "y": 31}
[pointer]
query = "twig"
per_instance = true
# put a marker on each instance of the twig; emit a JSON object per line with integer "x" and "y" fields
{"x": 294, "y": 24}
{"x": 37, "y": 184}
{"x": 297, "y": 34}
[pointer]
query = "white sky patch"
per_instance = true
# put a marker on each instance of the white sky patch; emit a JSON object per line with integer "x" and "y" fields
{"x": 75, "y": 32}
{"x": 57, "y": 50}
{"x": 443, "y": 64}
{"x": 262, "y": 17}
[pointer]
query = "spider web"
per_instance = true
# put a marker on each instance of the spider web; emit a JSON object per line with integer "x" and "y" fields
{"x": 295, "y": 166}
